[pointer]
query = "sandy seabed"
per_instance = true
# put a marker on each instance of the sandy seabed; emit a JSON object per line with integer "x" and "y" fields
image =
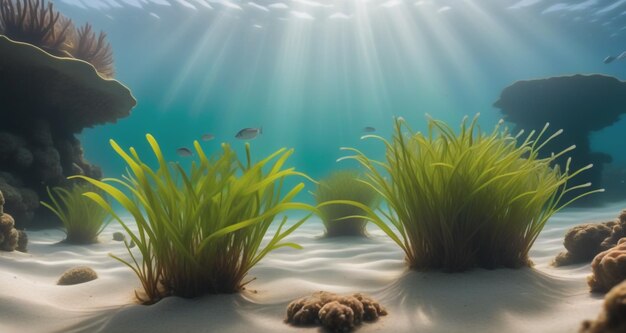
{"x": 542, "y": 299}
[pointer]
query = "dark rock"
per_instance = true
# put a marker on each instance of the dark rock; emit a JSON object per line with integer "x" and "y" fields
{"x": 118, "y": 236}
{"x": 579, "y": 104}
{"x": 46, "y": 101}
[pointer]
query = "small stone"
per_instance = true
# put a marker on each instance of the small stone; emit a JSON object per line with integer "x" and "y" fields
{"x": 118, "y": 236}
{"x": 76, "y": 275}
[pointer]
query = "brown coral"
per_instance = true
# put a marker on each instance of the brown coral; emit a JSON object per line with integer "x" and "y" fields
{"x": 609, "y": 268}
{"x": 336, "y": 317}
{"x": 613, "y": 317}
{"x": 372, "y": 309}
{"x": 9, "y": 236}
{"x": 76, "y": 275}
{"x": 584, "y": 242}
{"x": 94, "y": 50}
{"x": 35, "y": 22}
{"x": 335, "y": 312}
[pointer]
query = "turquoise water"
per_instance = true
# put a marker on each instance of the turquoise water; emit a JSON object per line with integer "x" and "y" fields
{"x": 315, "y": 73}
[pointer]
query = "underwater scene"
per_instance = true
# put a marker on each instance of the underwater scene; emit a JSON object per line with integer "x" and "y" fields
{"x": 312, "y": 166}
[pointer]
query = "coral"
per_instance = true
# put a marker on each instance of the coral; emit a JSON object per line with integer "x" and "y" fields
{"x": 76, "y": 275}
{"x": 579, "y": 104}
{"x": 339, "y": 218}
{"x": 35, "y": 22}
{"x": 334, "y": 312}
{"x": 9, "y": 236}
{"x": 371, "y": 309}
{"x": 583, "y": 242}
{"x": 94, "y": 50}
{"x": 613, "y": 317}
{"x": 38, "y": 144}
{"x": 20, "y": 201}
{"x": 304, "y": 311}
{"x": 336, "y": 317}
{"x": 609, "y": 268}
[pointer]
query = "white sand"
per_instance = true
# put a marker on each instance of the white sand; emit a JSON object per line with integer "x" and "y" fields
{"x": 543, "y": 299}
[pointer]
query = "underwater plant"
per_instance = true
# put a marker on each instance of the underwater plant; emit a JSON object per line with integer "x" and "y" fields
{"x": 94, "y": 50}
{"x": 82, "y": 218}
{"x": 35, "y": 22}
{"x": 201, "y": 231}
{"x": 340, "y": 220}
{"x": 460, "y": 200}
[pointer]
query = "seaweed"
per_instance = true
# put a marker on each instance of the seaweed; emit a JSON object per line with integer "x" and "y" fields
{"x": 201, "y": 231}
{"x": 461, "y": 200}
{"x": 83, "y": 219}
{"x": 339, "y": 219}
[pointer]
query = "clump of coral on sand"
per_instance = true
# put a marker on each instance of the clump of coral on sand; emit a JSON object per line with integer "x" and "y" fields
{"x": 334, "y": 312}
{"x": 583, "y": 242}
{"x": 10, "y": 238}
{"x": 613, "y": 318}
{"x": 609, "y": 268}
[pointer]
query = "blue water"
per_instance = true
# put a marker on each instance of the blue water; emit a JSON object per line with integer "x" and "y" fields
{"x": 314, "y": 74}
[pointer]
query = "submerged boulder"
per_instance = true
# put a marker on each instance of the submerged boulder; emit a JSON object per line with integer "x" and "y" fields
{"x": 578, "y": 104}
{"x": 46, "y": 101}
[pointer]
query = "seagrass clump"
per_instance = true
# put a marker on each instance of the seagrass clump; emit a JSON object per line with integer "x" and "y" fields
{"x": 344, "y": 219}
{"x": 200, "y": 231}
{"x": 463, "y": 199}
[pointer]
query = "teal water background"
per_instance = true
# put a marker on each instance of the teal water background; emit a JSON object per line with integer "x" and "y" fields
{"x": 313, "y": 84}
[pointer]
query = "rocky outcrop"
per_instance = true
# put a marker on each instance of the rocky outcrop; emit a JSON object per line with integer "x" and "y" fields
{"x": 46, "y": 101}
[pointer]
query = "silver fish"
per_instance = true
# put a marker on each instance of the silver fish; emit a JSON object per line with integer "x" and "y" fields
{"x": 249, "y": 133}
{"x": 369, "y": 129}
{"x": 608, "y": 59}
{"x": 207, "y": 137}
{"x": 621, "y": 56}
{"x": 184, "y": 152}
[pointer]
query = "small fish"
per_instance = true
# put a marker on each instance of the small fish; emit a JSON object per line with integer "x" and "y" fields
{"x": 207, "y": 137}
{"x": 608, "y": 59}
{"x": 621, "y": 56}
{"x": 184, "y": 152}
{"x": 249, "y": 133}
{"x": 369, "y": 129}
